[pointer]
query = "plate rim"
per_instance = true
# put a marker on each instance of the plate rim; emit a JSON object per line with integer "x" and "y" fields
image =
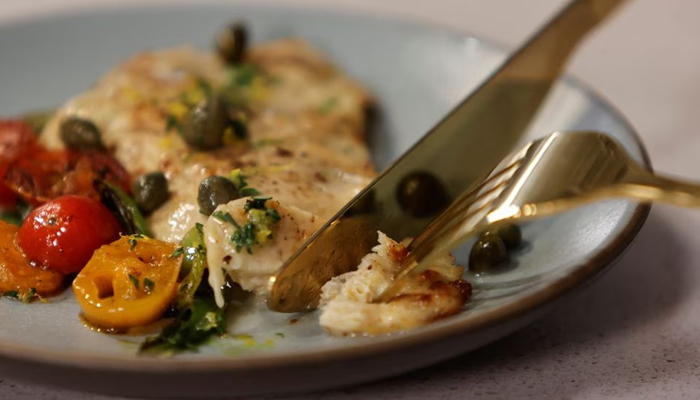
{"x": 580, "y": 275}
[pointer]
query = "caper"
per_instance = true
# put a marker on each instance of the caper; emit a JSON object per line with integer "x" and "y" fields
{"x": 488, "y": 252}
{"x": 215, "y": 190}
{"x": 511, "y": 236}
{"x": 150, "y": 191}
{"x": 206, "y": 123}
{"x": 232, "y": 42}
{"x": 81, "y": 134}
{"x": 421, "y": 194}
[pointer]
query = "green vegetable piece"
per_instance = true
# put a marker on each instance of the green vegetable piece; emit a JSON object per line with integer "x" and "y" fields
{"x": 81, "y": 134}
{"x": 123, "y": 207}
{"x": 150, "y": 191}
{"x": 194, "y": 263}
{"x": 193, "y": 326}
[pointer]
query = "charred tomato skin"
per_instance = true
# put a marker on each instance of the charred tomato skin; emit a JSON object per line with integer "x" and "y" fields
{"x": 62, "y": 234}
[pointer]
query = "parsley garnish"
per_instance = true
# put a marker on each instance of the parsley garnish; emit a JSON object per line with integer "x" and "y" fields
{"x": 279, "y": 334}
{"x": 239, "y": 179}
{"x": 199, "y": 227}
{"x": 172, "y": 123}
{"x": 244, "y": 75}
{"x": 12, "y": 294}
{"x": 244, "y": 236}
{"x": 328, "y": 105}
{"x": 148, "y": 285}
{"x": 177, "y": 253}
{"x": 272, "y": 214}
{"x": 132, "y": 240}
{"x": 257, "y": 203}
{"x": 135, "y": 281}
{"x": 224, "y": 216}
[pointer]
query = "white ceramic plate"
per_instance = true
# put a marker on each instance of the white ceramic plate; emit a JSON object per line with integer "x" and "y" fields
{"x": 417, "y": 74}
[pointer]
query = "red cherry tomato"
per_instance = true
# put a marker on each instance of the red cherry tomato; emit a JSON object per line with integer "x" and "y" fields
{"x": 63, "y": 234}
{"x": 16, "y": 140}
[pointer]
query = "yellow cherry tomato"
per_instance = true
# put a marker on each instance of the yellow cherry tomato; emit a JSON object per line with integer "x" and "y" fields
{"x": 17, "y": 275}
{"x": 128, "y": 283}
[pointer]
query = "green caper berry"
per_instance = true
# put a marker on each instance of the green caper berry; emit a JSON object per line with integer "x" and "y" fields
{"x": 421, "y": 194}
{"x": 231, "y": 43}
{"x": 488, "y": 252}
{"x": 206, "y": 123}
{"x": 150, "y": 191}
{"x": 213, "y": 191}
{"x": 81, "y": 134}
{"x": 511, "y": 236}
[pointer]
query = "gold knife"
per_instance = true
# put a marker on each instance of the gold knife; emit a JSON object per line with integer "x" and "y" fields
{"x": 457, "y": 153}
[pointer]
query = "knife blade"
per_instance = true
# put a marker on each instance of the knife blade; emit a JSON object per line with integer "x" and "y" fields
{"x": 451, "y": 158}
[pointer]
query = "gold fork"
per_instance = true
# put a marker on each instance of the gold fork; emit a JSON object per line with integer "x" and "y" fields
{"x": 547, "y": 176}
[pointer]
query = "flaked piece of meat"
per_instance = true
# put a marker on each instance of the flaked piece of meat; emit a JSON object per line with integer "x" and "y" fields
{"x": 347, "y": 301}
{"x": 272, "y": 242}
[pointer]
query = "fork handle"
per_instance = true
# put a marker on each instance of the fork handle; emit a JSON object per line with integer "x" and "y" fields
{"x": 648, "y": 186}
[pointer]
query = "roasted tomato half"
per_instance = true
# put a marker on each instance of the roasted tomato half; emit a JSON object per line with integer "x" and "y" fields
{"x": 128, "y": 283}
{"x": 16, "y": 140}
{"x": 50, "y": 174}
{"x": 17, "y": 275}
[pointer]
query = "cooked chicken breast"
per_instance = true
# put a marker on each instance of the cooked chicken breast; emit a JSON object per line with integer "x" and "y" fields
{"x": 347, "y": 301}
{"x": 305, "y": 144}
{"x": 252, "y": 267}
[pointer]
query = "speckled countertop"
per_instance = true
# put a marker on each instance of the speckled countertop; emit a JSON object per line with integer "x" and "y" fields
{"x": 635, "y": 334}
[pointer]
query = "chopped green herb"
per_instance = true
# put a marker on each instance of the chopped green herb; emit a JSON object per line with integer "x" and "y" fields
{"x": 12, "y": 294}
{"x": 172, "y": 123}
{"x": 244, "y": 236}
{"x": 199, "y": 227}
{"x": 134, "y": 281}
{"x": 239, "y": 179}
{"x": 204, "y": 86}
{"x": 279, "y": 334}
{"x": 17, "y": 215}
{"x": 244, "y": 75}
{"x": 148, "y": 285}
{"x": 193, "y": 326}
{"x": 272, "y": 214}
{"x": 177, "y": 253}
{"x": 257, "y": 203}
{"x": 328, "y": 105}
{"x": 25, "y": 298}
{"x": 132, "y": 243}
{"x": 224, "y": 216}
{"x": 29, "y": 296}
